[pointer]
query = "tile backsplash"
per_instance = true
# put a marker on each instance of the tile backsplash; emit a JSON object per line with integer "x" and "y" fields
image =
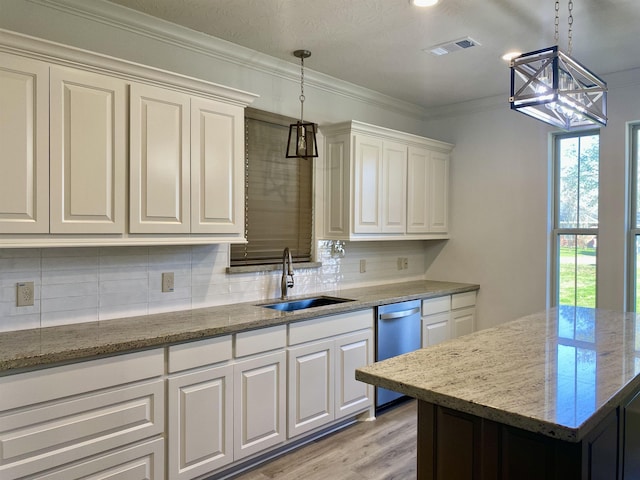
{"x": 74, "y": 285}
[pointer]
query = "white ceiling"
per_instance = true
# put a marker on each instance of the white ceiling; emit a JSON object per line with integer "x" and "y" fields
{"x": 378, "y": 43}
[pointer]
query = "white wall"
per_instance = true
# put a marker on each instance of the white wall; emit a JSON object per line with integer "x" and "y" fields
{"x": 500, "y": 188}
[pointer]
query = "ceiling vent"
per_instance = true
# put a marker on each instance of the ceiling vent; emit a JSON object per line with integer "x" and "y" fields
{"x": 452, "y": 46}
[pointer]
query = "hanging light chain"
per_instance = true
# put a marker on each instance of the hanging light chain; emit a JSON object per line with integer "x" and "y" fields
{"x": 570, "y": 22}
{"x": 557, "y": 22}
{"x": 570, "y": 35}
{"x": 302, "y": 98}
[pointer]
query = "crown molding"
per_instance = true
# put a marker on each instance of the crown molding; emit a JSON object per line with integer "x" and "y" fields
{"x": 160, "y": 30}
{"x": 67, "y": 56}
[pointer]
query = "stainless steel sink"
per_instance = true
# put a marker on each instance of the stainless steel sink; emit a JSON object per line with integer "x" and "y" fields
{"x": 303, "y": 303}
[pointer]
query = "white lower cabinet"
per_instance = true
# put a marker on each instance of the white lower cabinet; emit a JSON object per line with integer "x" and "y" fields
{"x": 447, "y": 317}
{"x": 463, "y": 313}
{"x": 260, "y": 403}
{"x": 70, "y": 421}
{"x": 321, "y": 369}
{"x": 200, "y": 421}
{"x": 311, "y": 385}
{"x": 226, "y": 400}
{"x": 352, "y": 351}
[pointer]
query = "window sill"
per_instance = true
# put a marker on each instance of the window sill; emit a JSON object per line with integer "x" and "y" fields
{"x": 270, "y": 267}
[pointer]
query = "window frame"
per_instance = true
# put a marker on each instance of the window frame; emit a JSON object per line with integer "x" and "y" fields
{"x": 634, "y": 225}
{"x": 556, "y": 231}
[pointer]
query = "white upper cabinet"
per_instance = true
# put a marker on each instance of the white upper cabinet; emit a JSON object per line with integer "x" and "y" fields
{"x": 88, "y": 153}
{"x": 381, "y": 184}
{"x": 394, "y": 187}
{"x": 24, "y": 136}
{"x": 159, "y": 161}
{"x": 367, "y": 184}
{"x": 217, "y": 167}
{"x": 186, "y": 164}
{"x": 88, "y": 143}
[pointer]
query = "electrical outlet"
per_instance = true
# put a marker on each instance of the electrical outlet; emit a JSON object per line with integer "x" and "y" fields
{"x": 363, "y": 266}
{"x": 400, "y": 263}
{"x": 25, "y": 294}
{"x": 405, "y": 263}
{"x": 167, "y": 282}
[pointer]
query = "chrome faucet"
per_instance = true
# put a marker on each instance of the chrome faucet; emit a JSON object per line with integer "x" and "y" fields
{"x": 287, "y": 273}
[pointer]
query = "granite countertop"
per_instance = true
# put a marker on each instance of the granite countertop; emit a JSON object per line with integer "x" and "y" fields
{"x": 558, "y": 373}
{"x": 41, "y": 347}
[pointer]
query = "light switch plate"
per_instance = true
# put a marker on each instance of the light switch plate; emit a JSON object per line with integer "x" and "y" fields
{"x": 167, "y": 282}
{"x": 363, "y": 266}
{"x": 25, "y": 294}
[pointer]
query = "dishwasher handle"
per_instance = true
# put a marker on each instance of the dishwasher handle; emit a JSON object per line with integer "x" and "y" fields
{"x": 401, "y": 314}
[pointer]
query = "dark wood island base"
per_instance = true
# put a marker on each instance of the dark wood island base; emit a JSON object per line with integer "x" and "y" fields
{"x": 457, "y": 446}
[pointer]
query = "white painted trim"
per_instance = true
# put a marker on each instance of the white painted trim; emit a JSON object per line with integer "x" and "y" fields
{"x": 354, "y": 126}
{"x": 160, "y": 30}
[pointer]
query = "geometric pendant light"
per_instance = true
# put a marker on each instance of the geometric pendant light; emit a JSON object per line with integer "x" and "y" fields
{"x": 550, "y": 86}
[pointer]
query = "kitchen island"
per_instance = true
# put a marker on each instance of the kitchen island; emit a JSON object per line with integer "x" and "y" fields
{"x": 552, "y": 395}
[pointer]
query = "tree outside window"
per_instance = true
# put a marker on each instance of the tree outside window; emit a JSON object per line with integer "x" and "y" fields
{"x": 577, "y": 158}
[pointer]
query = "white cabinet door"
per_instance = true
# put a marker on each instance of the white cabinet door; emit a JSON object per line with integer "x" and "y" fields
{"x": 367, "y": 214}
{"x": 159, "y": 161}
{"x": 217, "y": 167}
{"x": 394, "y": 187}
{"x": 24, "y": 137}
{"x": 439, "y": 192}
{"x": 463, "y": 321}
{"x": 337, "y": 201}
{"x": 418, "y": 196}
{"x": 435, "y": 329}
{"x": 311, "y": 378}
{"x": 200, "y": 419}
{"x": 352, "y": 351}
{"x": 88, "y": 152}
{"x": 260, "y": 403}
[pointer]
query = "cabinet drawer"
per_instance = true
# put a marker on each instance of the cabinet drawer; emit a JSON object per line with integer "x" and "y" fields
{"x": 144, "y": 461}
{"x": 261, "y": 340}
{"x": 436, "y": 305}
{"x": 53, "y": 383}
{"x": 44, "y": 436}
{"x": 200, "y": 353}
{"x": 323, "y": 327}
{"x": 461, "y": 300}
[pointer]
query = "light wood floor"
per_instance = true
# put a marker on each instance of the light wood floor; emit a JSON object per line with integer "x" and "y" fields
{"x": 384, "y": 449}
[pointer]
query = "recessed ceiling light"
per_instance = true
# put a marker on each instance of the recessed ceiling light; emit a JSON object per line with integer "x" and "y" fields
{"x": 507, "y": 57}
{"x": 423, "y": 3}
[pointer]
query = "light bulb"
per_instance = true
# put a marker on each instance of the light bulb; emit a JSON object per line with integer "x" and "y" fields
{"x": 302, "y": 141}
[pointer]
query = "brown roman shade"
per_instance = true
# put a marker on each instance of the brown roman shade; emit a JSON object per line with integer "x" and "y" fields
{"x": 278, "y": 195}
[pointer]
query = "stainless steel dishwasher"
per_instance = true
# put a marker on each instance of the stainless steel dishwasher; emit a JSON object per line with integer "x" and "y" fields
{"x": 398, "y": 331}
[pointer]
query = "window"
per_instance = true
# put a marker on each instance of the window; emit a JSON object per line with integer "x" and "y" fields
{"x": 576, "y": 187}
{"x": 635, "y": 218}
{"x": 278, "y": 195}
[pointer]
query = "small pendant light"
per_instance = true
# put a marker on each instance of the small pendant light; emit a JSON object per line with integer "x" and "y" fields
{"x": 302, "y": 135}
